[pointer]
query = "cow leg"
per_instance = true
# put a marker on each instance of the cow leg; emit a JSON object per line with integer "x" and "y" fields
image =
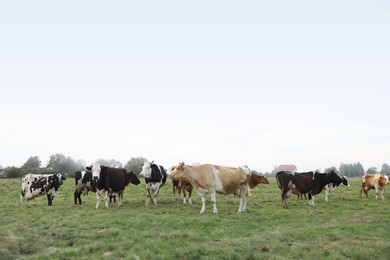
{"x": 174, "y": 192}
{"x": 149, "y": 195}
{"x": 203, "y": 196}
{"x": 155, "y": 194}
{"x": 156, "y": 189}
{"x": 189, "y": 197}
{"x": 243, "y": 201}
{"x": 184, "y": 197}
{"x": 383, "y": 198}
{"x": 98, "y": 194}
{"x": 284, "y": 199}
{"x": 120, "y": 197}
{"x": 311, "y": 202}
{"x": 21, "y": 199}
{"x": 106, "y": 200}
{"x": 326, "y": 195}
{"x": 77, "y": 197}
{"x": 49, "y": 199}
{"x": 214, "y": 200}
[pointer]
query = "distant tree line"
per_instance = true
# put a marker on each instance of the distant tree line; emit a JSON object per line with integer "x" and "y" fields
{"x": 67, "y": 165}
{"x": 59, "y": 163}
{"x": 348, "y": 170}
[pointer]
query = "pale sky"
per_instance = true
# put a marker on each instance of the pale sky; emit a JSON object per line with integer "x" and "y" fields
{"x": 257, "y": 83}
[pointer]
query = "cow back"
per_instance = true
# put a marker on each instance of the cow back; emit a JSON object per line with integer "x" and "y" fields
{"x": 303, "y": 181}
{"x": 114, "y": 179}
{"x": 230, "y": 178}
{"x": 158, "y": 175}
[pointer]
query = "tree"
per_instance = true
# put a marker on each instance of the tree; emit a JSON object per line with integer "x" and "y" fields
{"x": 327, "y": 170}
{"x": 110, "y": 163}
{"x": 135, "y": 165}
{"x": 351, "y": 170}
{"x": 32, "y": 165}
{"x": 385, "y": 169}
{"x": 14, "y": 172}
{"x": 60, "y": 163}
{"x": 372, "y": 170}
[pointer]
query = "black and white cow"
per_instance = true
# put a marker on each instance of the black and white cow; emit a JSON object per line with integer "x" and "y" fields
{"x": 84, "y": 184}
{"x": 111, "y": 180}
{"x": 34, "y": 185}
{"x": 155, "y": 177}
{"x": 307, "y": 182}
{"x": 331, "y": 186}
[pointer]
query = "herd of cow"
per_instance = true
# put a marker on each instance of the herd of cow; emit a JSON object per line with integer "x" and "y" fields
{"x": 204, "y": 179}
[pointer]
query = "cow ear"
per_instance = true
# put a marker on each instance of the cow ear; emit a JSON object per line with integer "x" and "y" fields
{"x": 88, "y": 168}
{"x": 181, "y": 166}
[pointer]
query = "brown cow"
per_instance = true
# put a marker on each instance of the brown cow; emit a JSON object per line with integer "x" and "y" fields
{"x": 374, "y": 181}
{"x": 214, "y": 179}
{"x": 253, "y": 181}
{"x": 182, "y": 186}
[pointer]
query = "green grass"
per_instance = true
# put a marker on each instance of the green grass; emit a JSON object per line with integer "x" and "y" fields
{"x": 347, "y": 227}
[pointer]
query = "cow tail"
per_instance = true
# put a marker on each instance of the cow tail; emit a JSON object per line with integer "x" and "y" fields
{"x": 277, "y": 180}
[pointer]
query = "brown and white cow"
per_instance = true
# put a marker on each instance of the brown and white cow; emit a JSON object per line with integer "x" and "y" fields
{"x": 214, "y": 179}
{"x": 182, "y": 186}
{"x": 374, "y": 181}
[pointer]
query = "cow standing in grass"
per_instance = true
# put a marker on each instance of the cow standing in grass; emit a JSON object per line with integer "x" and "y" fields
{"x": 182, "y": 186}
{"x": 307, "y": 182}
{"x": 374, "y": 181}
{"x": 35, "y": 185}
{"x": 155, "y": 177}
{"x": 84, "y": 184}
{"x": 214, "y": 179}
{"x": 111, "y": 180}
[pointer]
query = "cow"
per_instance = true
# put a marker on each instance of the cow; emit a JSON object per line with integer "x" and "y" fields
{"x": 331, "y": 186}
{"x": 182, "y": 186}
{"x": 214, "y": 179}
{"x": 374, "y": 181}
{"x": 111, "y": 180}
{"x": 307, "y": 182}
{"x": 34, "y": 185}
{"x": 328, "y": 189}
{"x": 253, "y": 181}
{"x": 84, "y": 184}
{"x": 155, "y": 177}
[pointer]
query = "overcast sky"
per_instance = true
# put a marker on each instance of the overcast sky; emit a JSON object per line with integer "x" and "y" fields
{"x": 259, "y": 83}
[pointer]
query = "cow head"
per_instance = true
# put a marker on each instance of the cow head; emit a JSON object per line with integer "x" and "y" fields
{"x": 55, "y": 181}
{"x": 95, "y": 169}
{"x": 334, "y": 177}
{"x": 177, "y": 171}
{"x": 344, "y": 181}
{"x": 146, "y": 169}
{"x": 133, "y": 178}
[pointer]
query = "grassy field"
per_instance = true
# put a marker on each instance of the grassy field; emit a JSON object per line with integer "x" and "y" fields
{"x": 347, "y": 227}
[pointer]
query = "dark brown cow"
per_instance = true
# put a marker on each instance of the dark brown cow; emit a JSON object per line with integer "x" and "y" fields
{"x": 111, "y": 180}
{"x": 306, "y": 182}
